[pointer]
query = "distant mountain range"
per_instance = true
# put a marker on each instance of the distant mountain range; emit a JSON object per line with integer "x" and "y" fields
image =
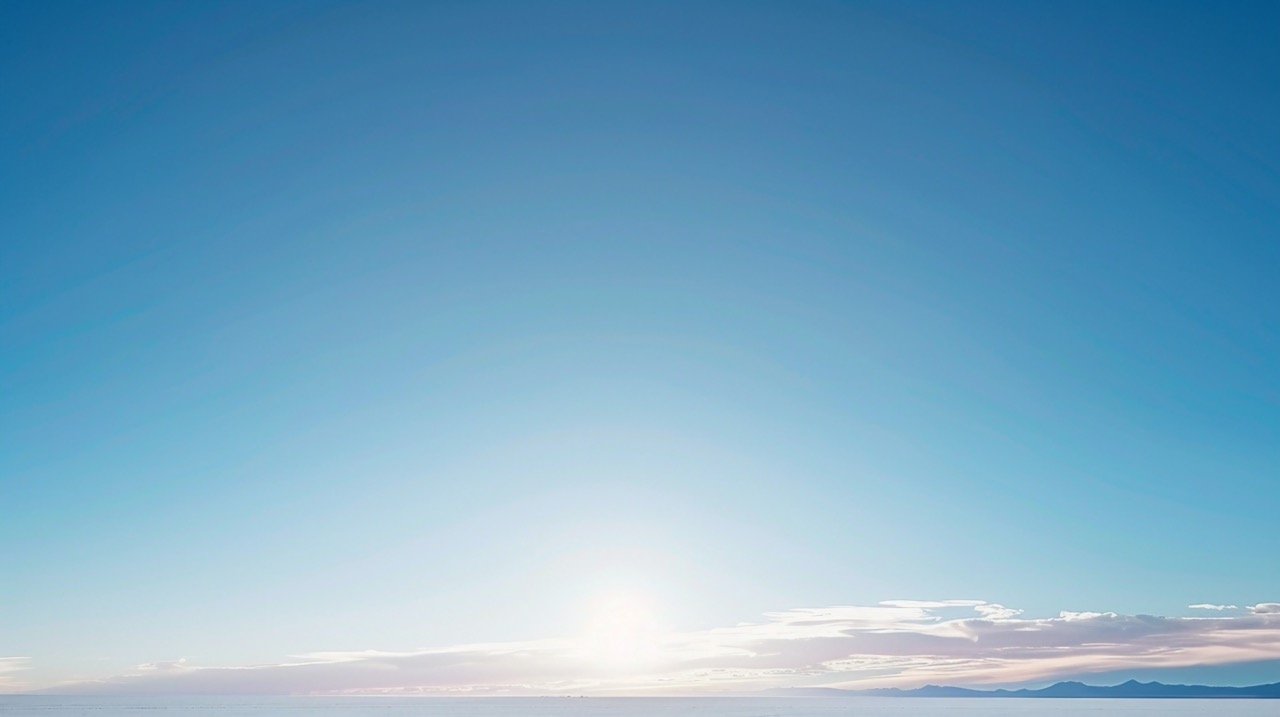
{"x": 1131, "y": 689}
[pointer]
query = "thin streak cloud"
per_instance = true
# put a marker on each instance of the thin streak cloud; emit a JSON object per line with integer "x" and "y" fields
{"x": 9, "y": 666}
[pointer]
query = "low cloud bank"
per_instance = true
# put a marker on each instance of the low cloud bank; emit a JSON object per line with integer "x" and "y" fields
{"x": 9, "y": 666}
{"x": 895, "y": 643}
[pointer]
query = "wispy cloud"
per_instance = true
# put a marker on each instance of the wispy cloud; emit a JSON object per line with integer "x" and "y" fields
{"x": 8, "y": 666}
{"x": 897, "y": 642}
{"x": 1211, "y": 606}
{"x": 178, "y": 665}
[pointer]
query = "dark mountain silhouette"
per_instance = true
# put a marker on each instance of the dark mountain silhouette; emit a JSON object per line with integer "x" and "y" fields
{"x": 1131, "y": 690}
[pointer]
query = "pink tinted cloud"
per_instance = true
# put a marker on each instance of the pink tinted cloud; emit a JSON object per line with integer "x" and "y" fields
{"x": 895, "y": 643}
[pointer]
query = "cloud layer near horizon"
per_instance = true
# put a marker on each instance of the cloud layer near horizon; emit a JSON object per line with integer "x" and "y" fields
{"x": 9, "y": 666}
{"x": 894, "y": 643}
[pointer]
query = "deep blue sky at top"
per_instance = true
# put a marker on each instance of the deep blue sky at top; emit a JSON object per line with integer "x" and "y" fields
{"x": 398, "y": 324}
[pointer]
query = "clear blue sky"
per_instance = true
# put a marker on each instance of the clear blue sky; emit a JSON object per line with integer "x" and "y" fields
{"x": 391, "y": 325}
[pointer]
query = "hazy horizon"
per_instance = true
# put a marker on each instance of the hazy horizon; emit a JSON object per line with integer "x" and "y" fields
{"x": 627, "y": 706}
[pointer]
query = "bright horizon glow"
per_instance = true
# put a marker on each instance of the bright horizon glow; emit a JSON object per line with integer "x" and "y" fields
{"x": 623, "y": 631}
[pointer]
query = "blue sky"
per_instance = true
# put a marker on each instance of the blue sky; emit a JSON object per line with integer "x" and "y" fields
{"x": 330, "y": 328}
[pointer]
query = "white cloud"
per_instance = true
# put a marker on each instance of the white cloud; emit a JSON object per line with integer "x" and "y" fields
{"x": 1211, "y": 606}
{"x": 895, "y": 643}
{"x": 932, "y": 603}
{"x": 177, "y": 665}
{"x": 996, "y": 611}
{"x": 8, "y": 666}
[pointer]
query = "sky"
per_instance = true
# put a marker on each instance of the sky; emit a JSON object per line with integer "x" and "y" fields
{"x": 628, "y": 347}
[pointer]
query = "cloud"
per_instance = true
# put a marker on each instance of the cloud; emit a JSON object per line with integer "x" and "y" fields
{"x": 894, "y": 643}
{"x": 8, "y": 666}
{"x": 177, "y": 665}
{"x": 932, "y": 603}
{"x": 996, "y": 611}
{"x": 1211, "y": 606}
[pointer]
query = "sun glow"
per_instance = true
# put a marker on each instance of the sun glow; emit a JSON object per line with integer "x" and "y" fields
{"x": 622, "y": 630}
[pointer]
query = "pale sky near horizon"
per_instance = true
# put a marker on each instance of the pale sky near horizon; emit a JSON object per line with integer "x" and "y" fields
{"x": 642, "y": 343}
